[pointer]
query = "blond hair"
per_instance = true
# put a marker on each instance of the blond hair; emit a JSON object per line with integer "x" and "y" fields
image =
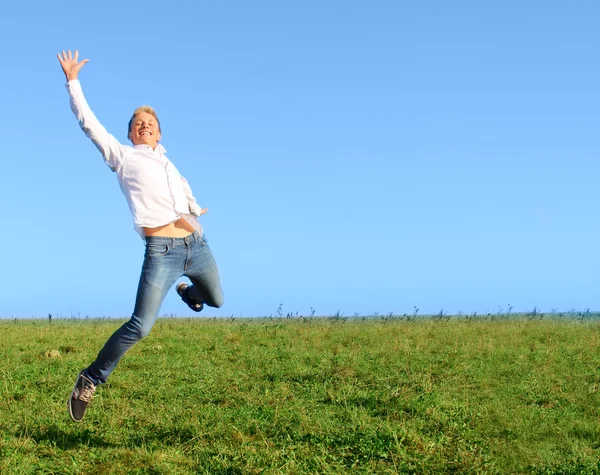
{"x": 139, "y": 110}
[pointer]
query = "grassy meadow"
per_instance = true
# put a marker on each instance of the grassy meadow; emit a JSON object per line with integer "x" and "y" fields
{"x": 307, "y": 396}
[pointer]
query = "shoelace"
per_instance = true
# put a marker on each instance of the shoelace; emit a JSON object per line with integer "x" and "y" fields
{"x": 86, "y": 393}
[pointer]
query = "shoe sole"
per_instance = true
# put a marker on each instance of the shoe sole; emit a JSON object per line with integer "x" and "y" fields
{"x": 180, "y": 289}
{"x": 69, "y": 402}
{"x": 71, "y": 412}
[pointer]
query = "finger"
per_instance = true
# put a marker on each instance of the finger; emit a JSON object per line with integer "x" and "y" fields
{"x": 78, "y": 66}
{"x": 64, "y": 56}
{"x": 76, "y": 55}
{"x": 70, "y": 56}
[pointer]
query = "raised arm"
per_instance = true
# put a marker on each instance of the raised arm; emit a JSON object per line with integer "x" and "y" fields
{"x": 109, "y": 146}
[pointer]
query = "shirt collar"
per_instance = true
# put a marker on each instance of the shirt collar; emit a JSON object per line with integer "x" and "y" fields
{"x": 142, "y": 146}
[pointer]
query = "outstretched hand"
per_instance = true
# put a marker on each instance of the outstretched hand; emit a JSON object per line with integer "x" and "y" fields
{"x": 70, "y": 64}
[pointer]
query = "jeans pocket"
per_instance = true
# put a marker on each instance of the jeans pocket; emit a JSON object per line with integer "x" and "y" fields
{"x": 157, "y": 249}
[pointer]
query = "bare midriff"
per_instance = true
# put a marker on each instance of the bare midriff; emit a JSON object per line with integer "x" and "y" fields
{"x": 177, "y": 229}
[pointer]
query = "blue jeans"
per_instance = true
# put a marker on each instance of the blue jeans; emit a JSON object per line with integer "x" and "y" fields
{"x": 165, "y": 261}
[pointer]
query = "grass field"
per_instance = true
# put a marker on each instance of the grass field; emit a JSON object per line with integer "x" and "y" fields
{"x": 299, "y": 396}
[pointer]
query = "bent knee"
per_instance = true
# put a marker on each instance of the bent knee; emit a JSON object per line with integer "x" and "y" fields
{"x": 216, "y": 302}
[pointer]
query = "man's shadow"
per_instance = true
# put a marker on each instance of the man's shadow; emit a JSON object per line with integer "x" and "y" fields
{"x": 77, "y": 437}
{"x": 66, "y": 440}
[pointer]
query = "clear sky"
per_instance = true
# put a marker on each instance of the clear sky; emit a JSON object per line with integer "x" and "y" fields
{"x": 356, "y": 156}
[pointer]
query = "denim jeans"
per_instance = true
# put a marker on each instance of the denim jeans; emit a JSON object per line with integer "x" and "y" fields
{"x": 165, "y": 261}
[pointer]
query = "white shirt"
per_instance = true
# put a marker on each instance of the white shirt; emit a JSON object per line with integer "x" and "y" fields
{"x": 155, "y": 191}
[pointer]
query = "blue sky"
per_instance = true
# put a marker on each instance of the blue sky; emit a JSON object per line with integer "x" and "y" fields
{"x": 355, "y": 156}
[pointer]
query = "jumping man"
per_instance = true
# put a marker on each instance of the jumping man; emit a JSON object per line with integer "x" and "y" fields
{"x": 165, "y": 215}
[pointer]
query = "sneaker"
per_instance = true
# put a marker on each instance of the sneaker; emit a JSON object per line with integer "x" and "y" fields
{"x": 80, "y": 397}
{"x": 181, "y": 290}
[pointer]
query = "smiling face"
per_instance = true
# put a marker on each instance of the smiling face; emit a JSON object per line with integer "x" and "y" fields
{"x": 144, "y": 128}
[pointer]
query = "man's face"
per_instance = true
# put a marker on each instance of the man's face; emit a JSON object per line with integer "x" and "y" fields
{"x": 144, "y": 130}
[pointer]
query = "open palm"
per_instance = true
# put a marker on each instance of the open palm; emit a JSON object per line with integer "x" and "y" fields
{"x": 70, "y": 64}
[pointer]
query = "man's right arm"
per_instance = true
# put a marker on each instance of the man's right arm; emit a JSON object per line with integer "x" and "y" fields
{"x": 109, "y": 146}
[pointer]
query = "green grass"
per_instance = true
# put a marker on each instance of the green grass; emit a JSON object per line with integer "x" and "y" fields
{"x": 510, "y": 395}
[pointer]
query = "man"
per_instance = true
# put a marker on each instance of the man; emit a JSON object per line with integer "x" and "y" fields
{"x": 165, "y": 215}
